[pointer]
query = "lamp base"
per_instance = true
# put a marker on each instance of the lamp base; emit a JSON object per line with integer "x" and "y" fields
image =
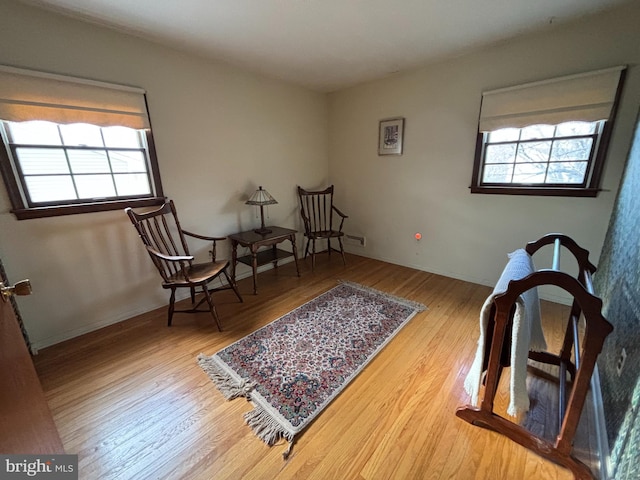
{"x": 262, "y": 231}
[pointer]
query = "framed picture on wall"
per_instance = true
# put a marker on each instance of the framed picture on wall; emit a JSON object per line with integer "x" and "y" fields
{"x": 390, "y": 136}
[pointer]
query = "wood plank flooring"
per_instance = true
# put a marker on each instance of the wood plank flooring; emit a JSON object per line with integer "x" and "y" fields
{"x": 132, "y": 402}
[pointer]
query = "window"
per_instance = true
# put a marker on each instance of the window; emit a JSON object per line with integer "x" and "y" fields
{"x": 546, "y": 138}
{"x": 84, "y": 147}
{"x": 540, "y": 154}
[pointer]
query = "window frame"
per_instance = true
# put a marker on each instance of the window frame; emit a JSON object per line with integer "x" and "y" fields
{"x": 593, "y": 176}
{"x": 14, "y": 181}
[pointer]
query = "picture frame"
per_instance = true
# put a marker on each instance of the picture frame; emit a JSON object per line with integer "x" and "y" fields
{"x": 391, "y": 136}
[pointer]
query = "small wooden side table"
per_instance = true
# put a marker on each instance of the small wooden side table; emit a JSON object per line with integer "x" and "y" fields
{"x": 254, "y": 241}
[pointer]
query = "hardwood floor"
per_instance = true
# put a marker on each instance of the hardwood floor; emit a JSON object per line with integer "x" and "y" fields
{"x": 132, "y": 402}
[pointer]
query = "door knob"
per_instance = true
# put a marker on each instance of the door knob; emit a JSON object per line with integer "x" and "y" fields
{"x": 23, "y": 287}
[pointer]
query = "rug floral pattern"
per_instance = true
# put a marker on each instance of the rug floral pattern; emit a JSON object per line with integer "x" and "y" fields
{"x": 297, "y": 364}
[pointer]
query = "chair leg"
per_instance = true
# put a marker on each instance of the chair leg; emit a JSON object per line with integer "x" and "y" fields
{"x": 329, "y": 247}
{"x": 212, "y": 308}
{"x": 172, "y": 300}
{"x": 193, "y": 295}
{"x": 313, "y": 255}
{"x": 233, "y": 285}
{"x": 306, "y": 250}
{"x": 344, "y": 262}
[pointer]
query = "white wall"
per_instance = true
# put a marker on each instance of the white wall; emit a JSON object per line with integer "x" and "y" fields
{"x": 219, "y": 134}
{"x": 390, "y": 198}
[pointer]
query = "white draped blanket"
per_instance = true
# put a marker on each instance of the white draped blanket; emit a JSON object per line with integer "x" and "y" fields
{"x": 526, "y": 334}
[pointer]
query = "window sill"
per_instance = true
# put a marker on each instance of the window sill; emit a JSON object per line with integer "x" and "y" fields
{"x": 538, "y": 191}
{"x": 42, "y": 212}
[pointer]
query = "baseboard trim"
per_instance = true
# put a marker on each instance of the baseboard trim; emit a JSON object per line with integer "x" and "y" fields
{"x": 561, "y": 299}
{"x": 182, "y": 294}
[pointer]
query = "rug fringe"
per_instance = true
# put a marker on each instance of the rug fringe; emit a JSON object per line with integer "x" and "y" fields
{"x": 419, "y": 307}
{"x": 268, "y": 428}
{"x": 228, "y": 386}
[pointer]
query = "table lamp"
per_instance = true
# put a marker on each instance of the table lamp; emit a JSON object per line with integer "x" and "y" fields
{"x": 261, "y": 198}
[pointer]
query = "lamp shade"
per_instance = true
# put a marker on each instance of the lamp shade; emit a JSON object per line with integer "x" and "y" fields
{"x": 261, "y": 197}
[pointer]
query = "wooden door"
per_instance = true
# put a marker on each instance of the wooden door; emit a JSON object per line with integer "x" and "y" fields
{"x": 26, "y": 424}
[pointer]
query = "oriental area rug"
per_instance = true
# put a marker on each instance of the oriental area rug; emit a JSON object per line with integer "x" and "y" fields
{"x": 292, "y": 368}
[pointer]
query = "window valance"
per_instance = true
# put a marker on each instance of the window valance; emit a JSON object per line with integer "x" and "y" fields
{"x": 583, "y": 97}
{"x": 29, "y": 95}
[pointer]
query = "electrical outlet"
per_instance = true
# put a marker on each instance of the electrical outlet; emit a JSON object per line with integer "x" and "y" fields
{"x": 620, "y": 362}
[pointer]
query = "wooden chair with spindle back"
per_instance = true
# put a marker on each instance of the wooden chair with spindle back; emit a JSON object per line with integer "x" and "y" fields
{"x": 166, "y": 244}
{"x": 317, "y": 209}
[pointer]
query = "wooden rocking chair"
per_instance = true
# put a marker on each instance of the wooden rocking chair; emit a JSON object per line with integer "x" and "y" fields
{"x": 165, "y": 241}
{"x": 317, "y": 210}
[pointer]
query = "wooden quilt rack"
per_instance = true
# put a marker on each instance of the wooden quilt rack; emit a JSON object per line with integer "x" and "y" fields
{"x": 580, "y": 349}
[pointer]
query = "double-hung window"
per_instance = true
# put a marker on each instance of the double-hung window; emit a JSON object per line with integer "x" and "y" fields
{"x": 546, "y": 138}
{"x": 74, "y": 146}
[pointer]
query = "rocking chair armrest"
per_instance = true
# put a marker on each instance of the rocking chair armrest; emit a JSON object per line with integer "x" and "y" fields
{"x": 212, "y": 252}
{"x": 340, "y": 213}
{"x": 203, "y": 237}
{"x": 170, "y": 258}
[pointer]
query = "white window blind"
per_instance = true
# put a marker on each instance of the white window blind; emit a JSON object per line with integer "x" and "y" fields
{"x": 28, "y": 95}
{"x": 584, "y": 97}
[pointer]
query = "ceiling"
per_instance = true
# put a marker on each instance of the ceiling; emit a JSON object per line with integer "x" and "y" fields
{"x": 327, "y": 45}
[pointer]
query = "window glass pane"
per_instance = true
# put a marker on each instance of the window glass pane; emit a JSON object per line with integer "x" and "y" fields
{"x": 577, "y": 149}
{"x": 504, "y": 135}
{"x": 50, "y": 188}
{"x": 95, "y": 186}
{"x": 562, "y": 157}
{"x": 504, "y": 153}
{"x": 51, "y": 165}
{"x": 34, "y": 133}
{"x": 497, "y": 173}
{"x": 533, "y": 152}
{"x": 537, "y": 131}
{"x": 121, "y": 137}
{"x": 35, "y": 161}
{"x": 128, "y": 161}
{"x": 81, "y": 134}
{"x": 529, "y": 172}
{"x": 88, "y": 161}
{"x": 567, "y": 172}
{"x": 576, "y": 128}
{"x": 132, "y": 184}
